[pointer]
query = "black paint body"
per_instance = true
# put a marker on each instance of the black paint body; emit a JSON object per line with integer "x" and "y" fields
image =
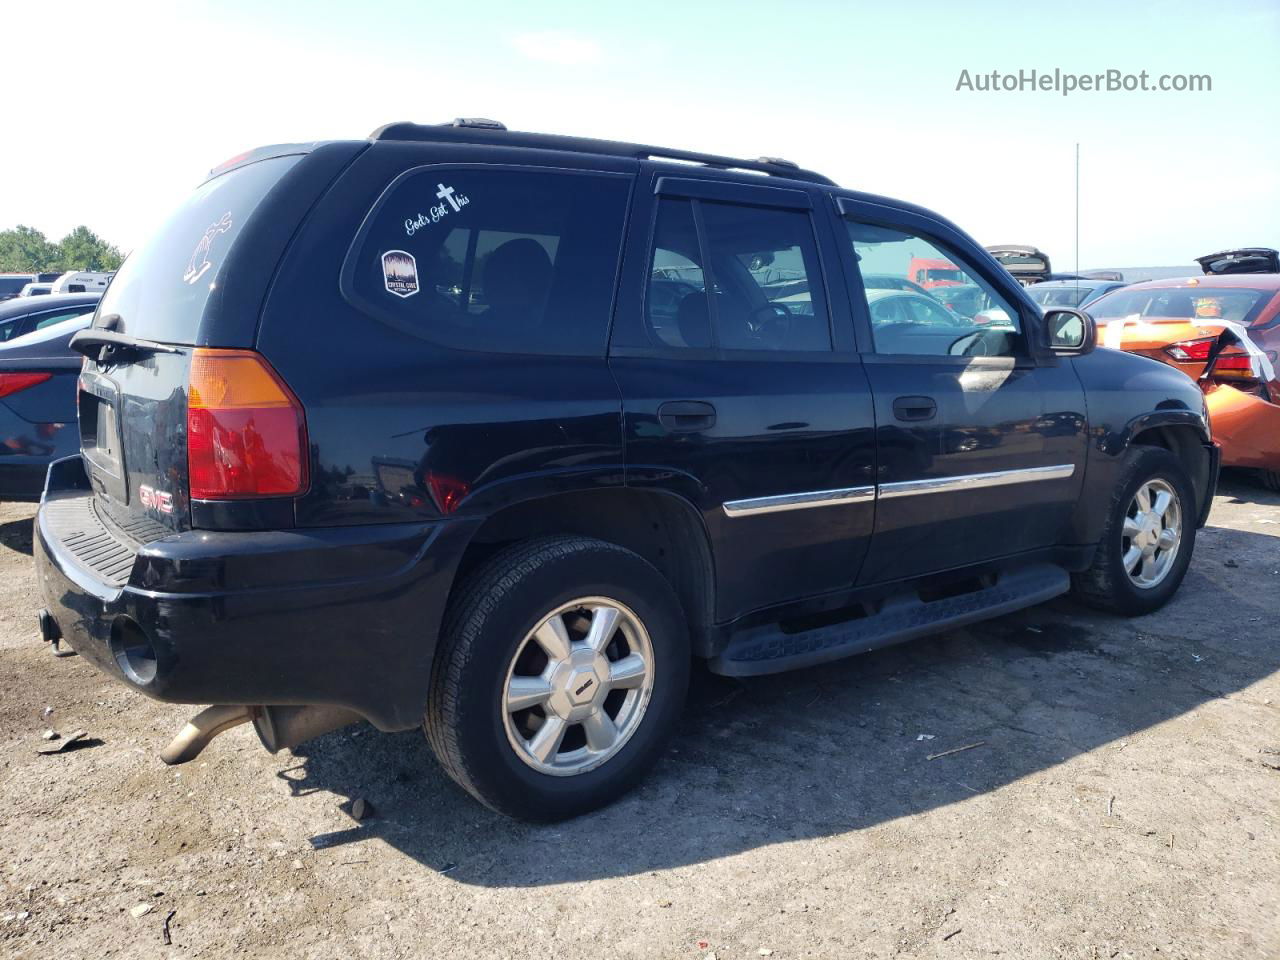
{"x": 337, "y": 596}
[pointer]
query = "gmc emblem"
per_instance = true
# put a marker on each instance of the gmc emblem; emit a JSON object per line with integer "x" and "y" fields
{"x": 160, "y": 500}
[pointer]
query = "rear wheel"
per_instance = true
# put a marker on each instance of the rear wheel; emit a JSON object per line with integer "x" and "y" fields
{"x": 1270, "y": 479}
{"x": 560, "y": 673}
{"x": 1148, "y": 539}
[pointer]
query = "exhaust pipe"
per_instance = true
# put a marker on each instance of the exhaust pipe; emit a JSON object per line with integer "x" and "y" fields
{"x": 282, "y": 728}
{"x": 279, "y": 728}
{"x": 201, "y": 729}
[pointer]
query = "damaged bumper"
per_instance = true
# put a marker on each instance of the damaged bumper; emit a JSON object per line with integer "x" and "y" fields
{"x": 1246, "y": 426}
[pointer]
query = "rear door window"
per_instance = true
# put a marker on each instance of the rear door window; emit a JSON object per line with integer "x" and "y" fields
{"x": 766, "y": 287}
{"x": 498, "y": 260}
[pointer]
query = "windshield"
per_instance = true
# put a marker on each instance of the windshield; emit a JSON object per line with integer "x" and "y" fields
{"x": 1193, "y": 304}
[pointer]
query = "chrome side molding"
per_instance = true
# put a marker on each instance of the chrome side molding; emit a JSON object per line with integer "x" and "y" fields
{"x": 903, "y": 488}
{"x": 976, "y": 481}
{"x": 798, "y": 501}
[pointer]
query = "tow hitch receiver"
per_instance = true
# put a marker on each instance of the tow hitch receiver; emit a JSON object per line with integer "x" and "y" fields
{"x": 51, "y": 635}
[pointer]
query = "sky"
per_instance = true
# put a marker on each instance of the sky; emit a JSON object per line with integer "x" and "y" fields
{"x": 138, "y": 105}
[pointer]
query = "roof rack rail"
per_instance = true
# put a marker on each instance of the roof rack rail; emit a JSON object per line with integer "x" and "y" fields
{"x": 479, "y": 123}
{"x": 476, "y": 130}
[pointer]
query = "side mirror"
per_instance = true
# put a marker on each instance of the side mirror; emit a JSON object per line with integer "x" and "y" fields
{"x": 1070, "y": 333}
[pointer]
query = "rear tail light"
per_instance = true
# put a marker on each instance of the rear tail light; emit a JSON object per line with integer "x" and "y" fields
{"x": 13, "y": 382}
{"x": 246, "y": 431}
{"x": 1234, "y": 366}
{"x": 447, "y": 491}
{"x": 1191, "y": 351}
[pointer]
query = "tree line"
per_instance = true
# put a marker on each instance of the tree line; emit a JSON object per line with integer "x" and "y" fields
{"x": 27, "y": 250}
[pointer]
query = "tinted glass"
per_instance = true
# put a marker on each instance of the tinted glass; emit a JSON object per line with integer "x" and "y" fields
{"x": 161, "y": 289}
{"x": 508, "y": 261}
{"x": 766, "y": 287}
{"x": 943, "y": 307}
{"x": 768, "y": 283}
{"x": 675, "y": 302}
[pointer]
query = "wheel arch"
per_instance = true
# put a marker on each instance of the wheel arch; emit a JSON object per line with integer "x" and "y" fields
{"x": 1181, "y": 431}
{"x": 1187, "y": 440}
{"x": 663, "y": 528}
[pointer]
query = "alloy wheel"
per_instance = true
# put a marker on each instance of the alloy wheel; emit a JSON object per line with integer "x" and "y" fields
{"x": 1151, "y": 533}
{"x": 578, "y": 686}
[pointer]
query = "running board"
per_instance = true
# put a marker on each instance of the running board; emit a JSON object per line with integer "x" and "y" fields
{"x": 768, "y": 649}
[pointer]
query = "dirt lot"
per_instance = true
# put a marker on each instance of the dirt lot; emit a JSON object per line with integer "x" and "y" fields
{"x": 1123, "y": 803}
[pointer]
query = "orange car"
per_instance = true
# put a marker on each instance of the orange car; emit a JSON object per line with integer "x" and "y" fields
{"x": 1223, "y": 331}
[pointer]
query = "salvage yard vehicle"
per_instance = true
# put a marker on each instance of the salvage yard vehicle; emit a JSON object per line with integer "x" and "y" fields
{"x": 1222, "y": 331}
{"x": 38, "y": 373}
{"x": 1241, "y": 260}
{"x": 1071, "y": 293}
{"x": 1027, "y": 264}
{"x": 397, "y": 430}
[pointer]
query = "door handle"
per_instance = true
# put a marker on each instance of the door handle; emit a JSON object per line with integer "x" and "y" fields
{"x": 686, "y": 416}
{"x": 914, "y": 408}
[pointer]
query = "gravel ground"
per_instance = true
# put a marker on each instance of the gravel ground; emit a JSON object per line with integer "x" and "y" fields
{"x": 1123, "y": 803}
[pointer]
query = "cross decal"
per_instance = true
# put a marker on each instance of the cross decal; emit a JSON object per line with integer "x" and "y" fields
{"x": 446, "y": 193}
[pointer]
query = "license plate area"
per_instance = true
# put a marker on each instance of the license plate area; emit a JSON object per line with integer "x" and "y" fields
{"x": 100, "y": 440}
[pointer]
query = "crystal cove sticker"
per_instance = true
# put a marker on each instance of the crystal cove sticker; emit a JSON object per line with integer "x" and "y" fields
{"x": 453, "y": 202}
{"x": 400, "y": 273}
{"x": 199, "y": 261}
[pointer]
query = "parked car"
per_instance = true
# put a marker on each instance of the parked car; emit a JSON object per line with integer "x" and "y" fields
{"x": 21, "y": 315}
{"x": 1223, "y": 332}
{"x": 887, "y": 281}
{"x": 1071, "y": 293}
{"x": 1242, "y": 260}
{"x": 11, "y": 284}
{"x": 517, "y": 518}
{"x": 36, "y": 290}
{"x": 38, "y": 371}
{"x": 1027, "y": 264}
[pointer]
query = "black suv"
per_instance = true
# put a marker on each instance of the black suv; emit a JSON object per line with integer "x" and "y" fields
{"x": 496, "y": 432}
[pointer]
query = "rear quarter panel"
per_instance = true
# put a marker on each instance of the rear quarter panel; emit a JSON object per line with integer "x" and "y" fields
{"x": 388, "y": 412}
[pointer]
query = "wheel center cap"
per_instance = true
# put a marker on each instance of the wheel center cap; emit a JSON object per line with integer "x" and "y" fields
{"x": 577, "y": 685}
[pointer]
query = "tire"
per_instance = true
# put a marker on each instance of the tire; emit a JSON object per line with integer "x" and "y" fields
{"x": 1270, "y": 479}
{"x": 1107, "y": 584}
{"x": 488, "y": 642}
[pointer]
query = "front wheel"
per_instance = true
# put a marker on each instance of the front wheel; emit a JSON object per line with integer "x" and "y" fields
{"x": 560, "y": 673}
{"x": 1148, "y": 537}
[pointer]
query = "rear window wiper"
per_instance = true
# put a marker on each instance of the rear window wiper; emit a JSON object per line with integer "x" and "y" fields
{"x": 101, "y": 341}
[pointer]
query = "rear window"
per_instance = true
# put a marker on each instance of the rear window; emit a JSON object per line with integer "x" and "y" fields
{"x": 500, "y": 260}
{"x": 1058, "y": 296}
{"x": 1202, "y": 303}
{"x": 161, "y": 289}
